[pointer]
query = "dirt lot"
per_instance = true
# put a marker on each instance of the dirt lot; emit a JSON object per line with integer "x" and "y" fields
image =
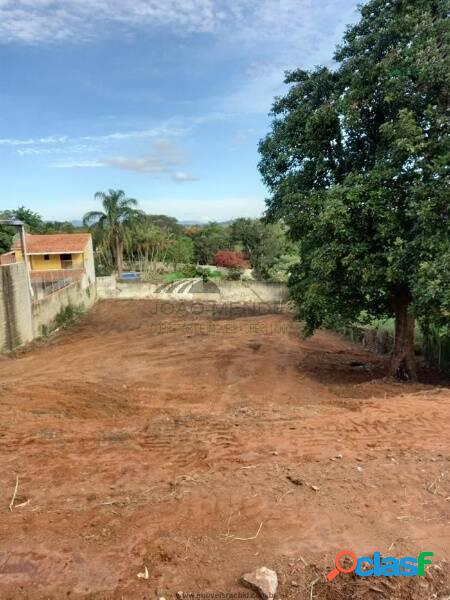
{"x": 200, "y": 447}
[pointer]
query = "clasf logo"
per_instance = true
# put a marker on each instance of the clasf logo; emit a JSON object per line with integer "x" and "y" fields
{"x": 380, "y": 566}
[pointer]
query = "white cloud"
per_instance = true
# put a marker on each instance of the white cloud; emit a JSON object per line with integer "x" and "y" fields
{"x": 182, "y": 177}
{"x": 37, "y": 20}
{"x": 163, "y": 157}
{"x": 31, "y": 141}
{"x": 249, "y": 21}
{"x": 55, "y": 150}
{"x": 164, "y": 129}
{"x": 81, "y": 164}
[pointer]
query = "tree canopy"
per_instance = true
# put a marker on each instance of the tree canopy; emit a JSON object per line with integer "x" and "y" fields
{"x": 357, "y": 165}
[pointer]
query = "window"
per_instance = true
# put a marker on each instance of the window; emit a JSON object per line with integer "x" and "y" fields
{"x": 46, "y": 256}
{"x": 66, "y": 261}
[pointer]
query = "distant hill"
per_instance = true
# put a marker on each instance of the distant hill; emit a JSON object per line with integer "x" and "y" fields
{"x": 203, "y": 223}
{"x": 79, "y": 223}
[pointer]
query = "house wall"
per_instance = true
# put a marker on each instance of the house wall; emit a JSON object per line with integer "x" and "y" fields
{"x": 38, "y": 263}
{"x": 89, "y": 266}
{"x": 78, "y": 260}
{"x": 16, "y": 326}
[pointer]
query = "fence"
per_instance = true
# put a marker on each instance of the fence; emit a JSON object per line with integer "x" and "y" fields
{"x": 8, "y": 258}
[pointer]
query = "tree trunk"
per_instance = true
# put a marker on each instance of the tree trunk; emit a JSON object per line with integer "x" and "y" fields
{"x": 119, "y": 256}
{"x": 403, "y": 359}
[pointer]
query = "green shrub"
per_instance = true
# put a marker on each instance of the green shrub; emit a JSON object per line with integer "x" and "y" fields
{"x": 234, "y": 274}
{"x": 67, "y": 316}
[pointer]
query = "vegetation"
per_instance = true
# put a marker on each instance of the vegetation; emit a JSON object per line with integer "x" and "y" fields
{"x": 356, "y": 162}
{"x": 230, "y": 259}
{"x": 127, "y": 238}
{"x": 65, "y": 318}
{"x": 33, "y": 222}
{"x": 110, "y": 226}
{"x": 263, "y": 244}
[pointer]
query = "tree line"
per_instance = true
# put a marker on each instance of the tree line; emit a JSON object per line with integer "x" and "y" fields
{"x": 125, "y": 237}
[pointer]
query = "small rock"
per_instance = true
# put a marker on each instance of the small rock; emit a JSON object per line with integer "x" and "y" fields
{"x": 359, "y": 468}
{"x": 264, "y": 581}
{"x": 274, "y": 453}
{"x": 144, "y": 574}
{"x": 315, "y": 488}
{"x": 295, "y": 584}
{"x": 359, "y": 459}
{"x": 179, "y": 595}
{"x": 295, "y": 480}
{"x": 337, "y": 457}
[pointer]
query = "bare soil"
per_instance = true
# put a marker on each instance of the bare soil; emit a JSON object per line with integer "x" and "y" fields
{"x": 200, "y": 446}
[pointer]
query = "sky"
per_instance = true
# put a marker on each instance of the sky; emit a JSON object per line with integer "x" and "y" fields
{"x": 165, "y": 99}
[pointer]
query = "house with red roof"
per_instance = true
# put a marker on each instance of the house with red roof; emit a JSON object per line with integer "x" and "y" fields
{"x": 58, "y": 257}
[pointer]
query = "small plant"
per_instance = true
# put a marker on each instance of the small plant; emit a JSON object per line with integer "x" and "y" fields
{"x": 67, "y": 316}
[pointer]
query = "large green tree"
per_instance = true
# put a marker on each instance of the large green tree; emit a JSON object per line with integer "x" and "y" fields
{"x": 111, "y": 225}
{"x": 357, "y": 162}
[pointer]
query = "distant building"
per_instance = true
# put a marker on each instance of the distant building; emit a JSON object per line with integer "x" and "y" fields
{"x": 57, "y": 259}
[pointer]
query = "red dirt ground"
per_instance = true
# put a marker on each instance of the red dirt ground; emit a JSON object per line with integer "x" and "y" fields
{"x": 143, "y": 439}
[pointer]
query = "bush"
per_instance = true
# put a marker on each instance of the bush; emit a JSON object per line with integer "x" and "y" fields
{"x": 234, "y": 274}
{"x": 102, "y": 267}
{"x": 230, "y": 259}
{"x": 67, "y": 316}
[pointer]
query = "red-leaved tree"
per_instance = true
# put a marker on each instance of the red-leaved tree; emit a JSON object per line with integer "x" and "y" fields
{"x": 230, "y": 259}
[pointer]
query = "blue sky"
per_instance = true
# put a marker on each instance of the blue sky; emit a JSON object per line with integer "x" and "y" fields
{"x": 165, "y": 99}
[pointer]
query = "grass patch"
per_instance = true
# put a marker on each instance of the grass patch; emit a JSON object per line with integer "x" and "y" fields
{"x": 174, "y": 276}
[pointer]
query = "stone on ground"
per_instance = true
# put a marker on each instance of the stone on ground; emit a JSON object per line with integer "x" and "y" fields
{"x": 263, "y": 580}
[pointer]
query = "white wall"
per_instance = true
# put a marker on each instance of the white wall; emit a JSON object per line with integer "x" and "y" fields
{"x": 194, "y": 289}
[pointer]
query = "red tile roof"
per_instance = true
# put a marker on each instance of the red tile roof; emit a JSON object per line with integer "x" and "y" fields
{"x": 63, "y": 243}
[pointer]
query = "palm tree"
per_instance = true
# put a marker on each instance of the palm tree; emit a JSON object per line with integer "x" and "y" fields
{"x": 119, "y": 212}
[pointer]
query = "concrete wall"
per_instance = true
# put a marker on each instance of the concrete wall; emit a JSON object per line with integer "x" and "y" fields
{"x": 15, "y": 307}
{"x": 89, "y": 266}
{"x": 23, "y": 319}
{"x": 45, "y": 310}
{"x": 194, "y": 290}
